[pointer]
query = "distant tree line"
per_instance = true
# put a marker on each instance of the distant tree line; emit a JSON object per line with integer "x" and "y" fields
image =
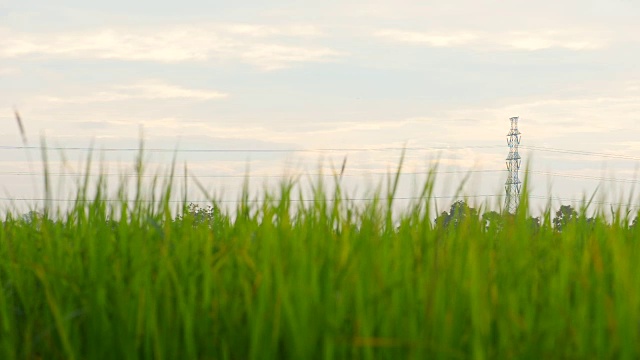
{"x": 460, "y": 212}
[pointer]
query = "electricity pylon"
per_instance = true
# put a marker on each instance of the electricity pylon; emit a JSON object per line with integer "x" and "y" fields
{"x": 513, "y": 185}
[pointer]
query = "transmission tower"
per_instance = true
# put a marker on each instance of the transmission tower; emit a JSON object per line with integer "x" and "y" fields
{"x": 513, "y": 185}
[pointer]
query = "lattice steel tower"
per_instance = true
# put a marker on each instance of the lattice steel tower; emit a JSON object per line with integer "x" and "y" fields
{"x": 513, "y": 184}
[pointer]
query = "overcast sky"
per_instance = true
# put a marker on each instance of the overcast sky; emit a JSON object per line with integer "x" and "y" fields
{"x": 326, "y": 74}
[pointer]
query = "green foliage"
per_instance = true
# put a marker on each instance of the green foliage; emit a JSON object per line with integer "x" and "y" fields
{"x": 564, "y": 216}
{"x": 324, "y": 278}
{"x": 210, "y": 217}
{"x": 458, "y": 214}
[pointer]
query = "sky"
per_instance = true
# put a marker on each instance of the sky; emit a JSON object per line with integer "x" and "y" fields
{"x": 363, "y": 78}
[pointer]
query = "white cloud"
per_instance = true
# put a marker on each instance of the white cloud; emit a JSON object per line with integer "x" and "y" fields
{"x": 273, "y": 57}
{"x": 147, "y": 90}
{"x": 519, "y": 40}
{"x": 539, "y": 40}
{"x": 261, "y": 46}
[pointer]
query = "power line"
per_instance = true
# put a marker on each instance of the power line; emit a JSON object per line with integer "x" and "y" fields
{"x": 538, "y": 197}
{"x": 586, "y": 177}
{"x": 361, "y": 174}
{"x": 319, "y": 150}
{"x": 581, "y": 152}
{"x": 291, "y": 150}
{"x": 253, "y": 200}
{"x": 347, "y": 174}
{"x": 595, "y": 202}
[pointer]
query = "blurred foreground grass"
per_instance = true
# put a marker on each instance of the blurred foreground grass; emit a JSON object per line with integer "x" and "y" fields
{"x": 318, "y": 279}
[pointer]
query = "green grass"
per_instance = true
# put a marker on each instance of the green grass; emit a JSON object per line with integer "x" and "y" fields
{"x": 319, "y": 279}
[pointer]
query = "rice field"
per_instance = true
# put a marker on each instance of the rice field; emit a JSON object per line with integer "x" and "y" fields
{"x": 324, "y": 278}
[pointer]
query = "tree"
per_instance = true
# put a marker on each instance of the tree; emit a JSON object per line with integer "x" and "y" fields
{"x": 534, "y": 224}
{"x": 211, "y": 215}
{"x": 32, "y": 216}
{"x": 493, "y": 220}
{"x": 565, "y": 215}
{"x": 459, "y": 212}
{"x": 442, "y": 219}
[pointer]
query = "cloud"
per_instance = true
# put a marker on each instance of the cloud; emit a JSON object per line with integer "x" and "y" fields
{"x": 307, "y": 31}
{"x": 147, "y": 90}
{"x": 9, "y": 71}
{"x": 265, "y": 47}
{"x": 570, "y": 40}
{"x": 520, "y": 40}
{"x": 273, "y": 57}
{"x": 591, "y": 123}
{"x": 434, "y": 39}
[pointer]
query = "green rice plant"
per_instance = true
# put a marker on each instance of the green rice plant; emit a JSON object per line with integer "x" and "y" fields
{"x": 322, "y": 277}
